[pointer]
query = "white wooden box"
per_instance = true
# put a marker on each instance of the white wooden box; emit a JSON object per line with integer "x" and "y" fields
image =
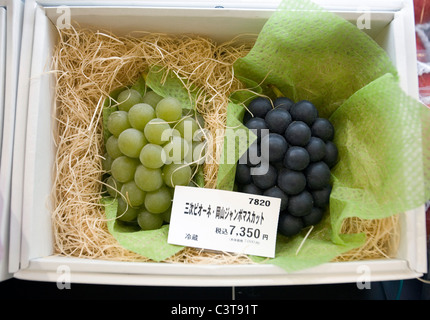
{"x": 31, "y": 254}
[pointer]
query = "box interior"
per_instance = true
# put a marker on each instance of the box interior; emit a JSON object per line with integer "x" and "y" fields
{"x": 36, "y": 239}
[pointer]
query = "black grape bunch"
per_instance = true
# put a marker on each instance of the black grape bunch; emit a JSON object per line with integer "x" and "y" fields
{"x": 301, "y": 154}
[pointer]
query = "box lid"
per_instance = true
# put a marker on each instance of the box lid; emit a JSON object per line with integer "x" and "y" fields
{"x": 10, "y": 40}
{"x": 334, "y": 5}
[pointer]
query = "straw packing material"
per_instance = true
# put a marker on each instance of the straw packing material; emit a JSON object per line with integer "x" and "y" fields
{"x": 89, "y": 65}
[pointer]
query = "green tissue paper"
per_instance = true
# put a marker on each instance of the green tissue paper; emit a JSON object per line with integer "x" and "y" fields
{"x": 150, "y": 244}
{"x": 383, "y": 168}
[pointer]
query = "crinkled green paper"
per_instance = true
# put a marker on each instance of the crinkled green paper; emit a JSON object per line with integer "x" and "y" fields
{"x": 384, "y": 154}
{"x": 227, "y": 167}
{"x": 151, "y": 244}
{"x": 383, "y": 167}
{"x": 309, "y": 53}
{"x": 168, "y": 84}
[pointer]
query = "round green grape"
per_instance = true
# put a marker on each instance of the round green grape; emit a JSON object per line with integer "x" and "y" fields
{"x": 112, "y": 148}
{"x": 158, "y": 201}
{"x": 148, "y": 179}
{"x": 123, "y": 168}
{"x": 176, "y": 150}
{"x": 169, "y": 134}
{"x": 157, "y": 131}
{"x": 133, "y": 194}
{"x": 152, "y": 156}
{"x": 106, "y": 162}
{"x": 140, "y": 114}
{"x": 152, "y": 98}
{"x": 128, "y": 98}
{"x": 126, "y": 212}
{"x": 131, "y": 142}
{"x": 113, "y": 187}
{"x": 117, "y": 122}
{"x": 187, "y": 127}
{"x": 169, "y": 109}
{"x": 149, "y": 221}
{"x": 176, "y": 174}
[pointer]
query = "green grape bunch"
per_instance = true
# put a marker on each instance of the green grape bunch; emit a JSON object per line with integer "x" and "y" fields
{"x": 150, "y": 150}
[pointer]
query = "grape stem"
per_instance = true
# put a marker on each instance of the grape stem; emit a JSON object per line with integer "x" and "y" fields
{"x": 275, "y": 89}
{"x": 303, "y": 241}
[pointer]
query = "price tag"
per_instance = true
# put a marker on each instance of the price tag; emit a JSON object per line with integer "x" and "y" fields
{"x": 224, "y": 220}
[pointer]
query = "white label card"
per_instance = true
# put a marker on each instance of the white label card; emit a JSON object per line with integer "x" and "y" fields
{"x": 224, "y": 221}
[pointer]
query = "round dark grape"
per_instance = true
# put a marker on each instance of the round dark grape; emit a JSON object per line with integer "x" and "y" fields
{"x": 252, "y": 156}
{"x": 260, "y": 106}
{"x": 331, "y": 155}
{"x": 243, "y": 174}
{"x": 318, "y": 175}
{"x": 322, "y": 128}
{"x": 267, "y": 180}
{"x": 277, "y": 147}
{"x": 278, "y": 193}
{"x": 322, "y": 197}
{"x": 301, "y": 204}
{"x": 283, "y": 103}
{"x": 298, "y": 133}
{"x": 316, "y": 149}
{"x": 289, "y": 225}
{"x": 314, "y": 217}
{"x": 301, "y": 153}
{"x": 304, "y": 111}
{"x": 291, "y": 182}
{"x": 251, "y": 189}
{"x": 278, "y": 120}
{"x": 256, "y": 125}
{"x": 296, "y": 158}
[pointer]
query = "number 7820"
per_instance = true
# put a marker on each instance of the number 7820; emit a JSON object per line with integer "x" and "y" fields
{"x": 259, "y": 202}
